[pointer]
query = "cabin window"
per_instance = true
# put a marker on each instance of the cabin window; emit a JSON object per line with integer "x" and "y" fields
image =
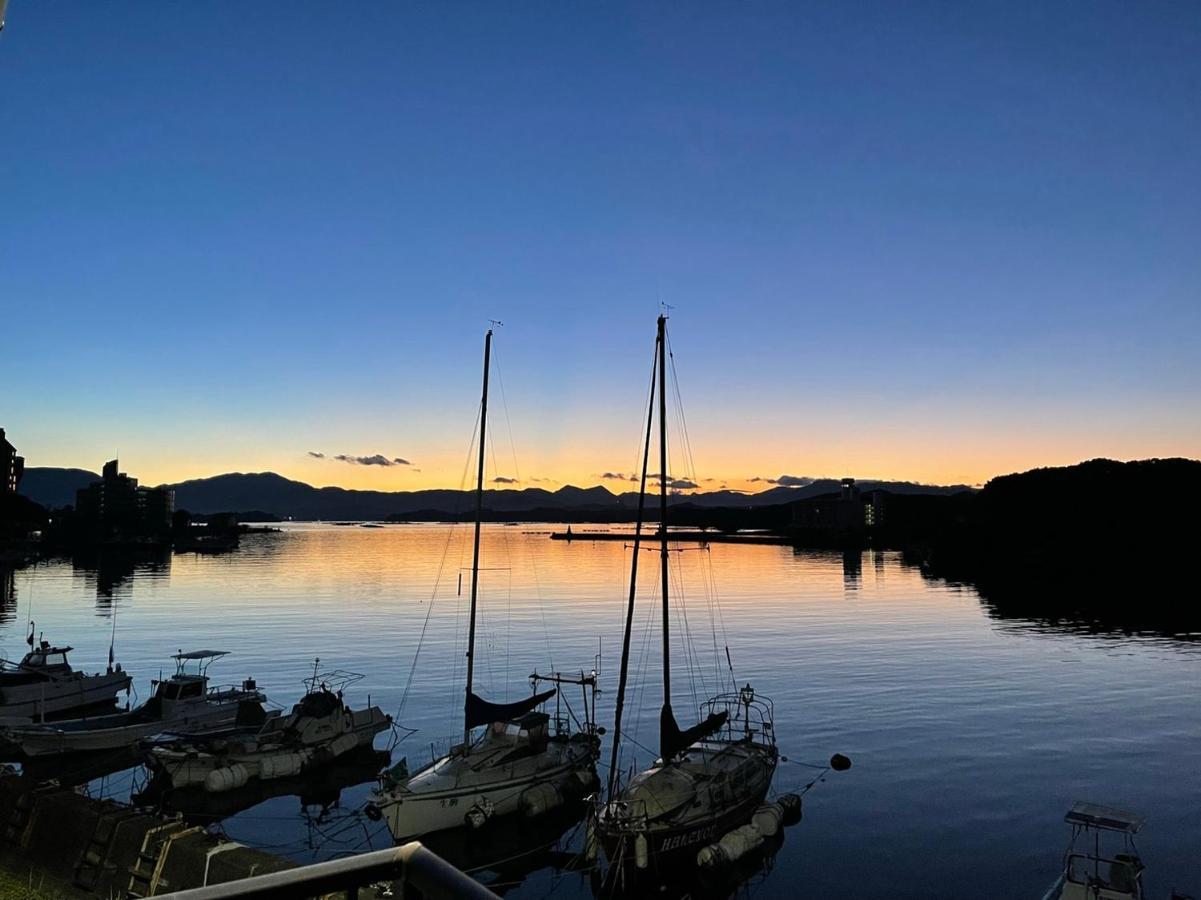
{"x": 56, "y": 659}
{"x": 34, "y": 659}
{"x": 171, "y": 691}
{"x": 193, "y": 689}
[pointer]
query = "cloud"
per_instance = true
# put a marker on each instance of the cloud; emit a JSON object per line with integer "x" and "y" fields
{"x": 377, "y": 459}
{"x": 617, "y": 476}
{"x": 503, "y": 479}
{"x": 542, "y": 480}
{"x": 682, "y": 484}
{"x": 787, "y": 480}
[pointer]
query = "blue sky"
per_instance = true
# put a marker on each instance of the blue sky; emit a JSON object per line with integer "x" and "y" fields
{"x": 927, "y": 241}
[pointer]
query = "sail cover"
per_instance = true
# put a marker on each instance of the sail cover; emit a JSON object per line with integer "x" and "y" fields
{"x": 672, "y": 740}
{"x": 481, "y": 712}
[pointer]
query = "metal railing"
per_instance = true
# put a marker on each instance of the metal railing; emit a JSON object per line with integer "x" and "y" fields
{"x": 411, "y": 865}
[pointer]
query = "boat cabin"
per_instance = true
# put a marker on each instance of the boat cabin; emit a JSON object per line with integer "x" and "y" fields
{"x": 187, "y": 685}
{"x": 42, "y": 662}
{"x": 1101, "y": 862}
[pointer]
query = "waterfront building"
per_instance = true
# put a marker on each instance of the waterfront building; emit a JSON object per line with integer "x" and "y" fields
{"x": 116, "y": 503}
{"x": 11, "y": 466}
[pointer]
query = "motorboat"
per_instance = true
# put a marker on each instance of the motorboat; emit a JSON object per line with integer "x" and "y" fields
{"x": 182, "y": 704}
{"x": 319, "y": 729}
{"x": 1101, "y": 862}
{"x": 43, "y": 685}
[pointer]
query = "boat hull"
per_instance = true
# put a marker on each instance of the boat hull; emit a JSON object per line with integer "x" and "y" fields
{"x": 696, "y": 812}
{"x": 411, "y": 814}
{"x": 54, "y": 697}
{"x": 120, "y": 730}
{"x": 182, "y": 768}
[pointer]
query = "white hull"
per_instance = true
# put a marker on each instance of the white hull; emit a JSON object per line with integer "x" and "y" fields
{"x": 193, "y": 768}
{"x": 32, "y": 701}
{"x": 443, "y": 795}
{"x": 114, "y": 731}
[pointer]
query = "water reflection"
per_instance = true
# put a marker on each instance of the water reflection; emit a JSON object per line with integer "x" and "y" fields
{"x": 973, "y": 736}
{"x": 109, "y": 571}
{"x": 8, "y": 595}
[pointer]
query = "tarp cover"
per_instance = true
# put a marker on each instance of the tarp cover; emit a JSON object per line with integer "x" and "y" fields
{"x": 672, "y": 740}
{"x": 481, "y": 712}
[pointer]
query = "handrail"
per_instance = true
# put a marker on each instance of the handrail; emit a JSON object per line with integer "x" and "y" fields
{"x": 413, "y": 864}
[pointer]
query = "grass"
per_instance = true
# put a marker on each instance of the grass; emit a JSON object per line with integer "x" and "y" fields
{"x": 16, "y": 887}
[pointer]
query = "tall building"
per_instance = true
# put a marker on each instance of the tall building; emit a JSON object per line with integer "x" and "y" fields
{"x": 11, "y": 466}
{"x": 116, "y": 503}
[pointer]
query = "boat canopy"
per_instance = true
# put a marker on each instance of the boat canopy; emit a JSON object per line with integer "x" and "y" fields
{"x": 200, "y": 654}
{"x": 1106, "y": 818}
{"x": 481, "y": 712}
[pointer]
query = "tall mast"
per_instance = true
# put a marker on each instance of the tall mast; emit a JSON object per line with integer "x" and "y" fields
{"x": 663, "y": 509}
{"x": 625, "y": 644}
{"x": 475, "y": 558}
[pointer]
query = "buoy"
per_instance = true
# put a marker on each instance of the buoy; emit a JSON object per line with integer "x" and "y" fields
{"x": 281, "y": 765}
{"x": 840, "y": 763}
{"x": 479, "y": 813}
{"x": 642, "y": 852}
{"x": 768, "y": 819}
{"x": 539, "y": 799}
{"x": 791, "y": 806}
{"x": 227, "y": 778}
{"x": 735, "y": 845}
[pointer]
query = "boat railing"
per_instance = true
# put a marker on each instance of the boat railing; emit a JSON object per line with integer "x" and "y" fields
{"x": 626, "y": 815}
{"x": 415, "y": 869}
{"x": 1120, "y": 873}
{"x": 749, "y": 717}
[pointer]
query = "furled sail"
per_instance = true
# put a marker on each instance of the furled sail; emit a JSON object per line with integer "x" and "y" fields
{"x": 482, "y": 712}
{"x": 672, "y": 740}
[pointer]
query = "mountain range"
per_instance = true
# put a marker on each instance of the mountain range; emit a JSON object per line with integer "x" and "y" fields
{"x": 285, "y": 498}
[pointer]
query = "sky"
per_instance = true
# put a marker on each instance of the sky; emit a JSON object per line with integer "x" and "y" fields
{"x": 924, "y": 241}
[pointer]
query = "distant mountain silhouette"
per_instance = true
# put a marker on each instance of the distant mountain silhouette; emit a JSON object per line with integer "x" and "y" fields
{"x": 287, "y": 498}
{"x": 55, "y": 488}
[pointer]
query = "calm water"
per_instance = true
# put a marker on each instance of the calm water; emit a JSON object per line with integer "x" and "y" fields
{"x": 970, "y": 735}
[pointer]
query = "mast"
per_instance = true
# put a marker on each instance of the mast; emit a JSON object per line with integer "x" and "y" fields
{"x": 625, "y": 645}
{"x": 475, "y": 558}
{"x": 662, "y": 340}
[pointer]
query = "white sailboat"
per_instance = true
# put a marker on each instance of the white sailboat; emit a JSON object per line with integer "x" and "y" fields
{"x": 519, "y": 763}
{"x": 709, "y": 778}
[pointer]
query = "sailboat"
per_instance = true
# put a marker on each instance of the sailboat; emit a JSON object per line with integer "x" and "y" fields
{"x": 710, "y": 777}
{"x": 518, "y": 763}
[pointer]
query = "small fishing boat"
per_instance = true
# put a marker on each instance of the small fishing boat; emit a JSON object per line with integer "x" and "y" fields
{"x": 320, "y": 729}
{"x": 520, "y": 762}
{"x": 43, "y": 685}
{"x": 1101, "y": 862}
{"x": 711, "y": 777}
{"x": 181, "y": 704}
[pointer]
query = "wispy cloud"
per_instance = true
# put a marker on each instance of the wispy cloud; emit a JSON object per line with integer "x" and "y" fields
{"x": 682, "y": 484}
{"x": 376, "y": 459}
{"x": 504, "y": 479}
{"x": 617, "y": 476}
{"x": 786, "y": 480}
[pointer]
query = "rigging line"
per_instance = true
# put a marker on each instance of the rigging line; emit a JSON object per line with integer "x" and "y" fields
{"x": 460, "y": 661}
{"x": 504, "y": 536}
{"x": 686, "y": 637}
{"x": 450, "y": 531}
{"x": 504, "y": 402}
